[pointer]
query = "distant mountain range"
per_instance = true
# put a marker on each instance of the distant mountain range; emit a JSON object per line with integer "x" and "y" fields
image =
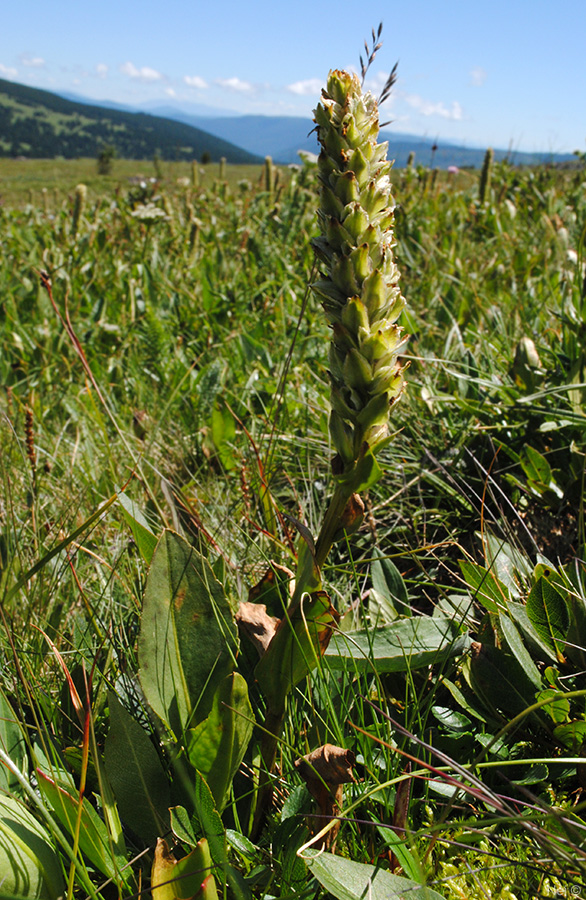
{"x": 39, "y": 123}
{"x": 282, "y": 137}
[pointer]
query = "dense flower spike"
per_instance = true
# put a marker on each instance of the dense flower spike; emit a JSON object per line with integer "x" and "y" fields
{"x": 359, "y": 284}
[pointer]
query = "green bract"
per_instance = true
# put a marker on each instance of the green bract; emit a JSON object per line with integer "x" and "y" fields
{"x": 359, "y": 287}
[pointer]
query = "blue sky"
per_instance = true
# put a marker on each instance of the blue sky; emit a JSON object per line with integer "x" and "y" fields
{"x": 482, "y": 72}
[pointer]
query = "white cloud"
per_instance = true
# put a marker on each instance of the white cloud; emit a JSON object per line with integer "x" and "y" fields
{"x": 195, "y": 81}
{"x": 143, "y": 74}
{"x": 376, "y": 83}
{"x": 101, "y": 70}
{"x": 427, "y": 108}
{"x": 309, "y": 87}
{"x": 8, "y": 71}
{"x": 170, "y": 92}
{"x": 33, "y": 62}
{"x": 478, "y": 76}
{"x": 235, "y": 84}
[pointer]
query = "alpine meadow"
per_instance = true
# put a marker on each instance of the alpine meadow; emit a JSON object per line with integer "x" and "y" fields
{"x": 292, "y": 533}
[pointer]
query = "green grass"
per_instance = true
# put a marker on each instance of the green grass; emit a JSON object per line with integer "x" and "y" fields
{"x": 203, "y": 393}
{"x": 18, "y": 177}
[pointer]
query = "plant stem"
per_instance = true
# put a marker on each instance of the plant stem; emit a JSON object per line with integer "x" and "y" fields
{"x": 306, "y": 581}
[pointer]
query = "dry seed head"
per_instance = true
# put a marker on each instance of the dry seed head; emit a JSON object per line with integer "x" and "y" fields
{"x": 29, "y": 437}
{"x": 269, "y": 174}
{"x": 485, "y": 175}
{"x": 78, "y": 207}
{"x": 359, "y": 285}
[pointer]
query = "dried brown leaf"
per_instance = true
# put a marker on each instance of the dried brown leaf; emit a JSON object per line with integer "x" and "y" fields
{"x": 254, "y": 621}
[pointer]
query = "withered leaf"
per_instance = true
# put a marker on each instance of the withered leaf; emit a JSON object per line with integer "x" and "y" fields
{"x": 328, "y": 763}
{"x": 254, "y": 621}
{"x": 324, "y": 771}
{"x": 351, "y": 518}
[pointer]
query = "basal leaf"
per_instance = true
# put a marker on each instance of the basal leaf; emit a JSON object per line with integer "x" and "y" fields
{"x": 506, "y": 562}
{"x": 184, "y": 879}
{"x": 485, "y": 587}
{"x": 516, "y": 647}
{"x": 572, "y": 735}
{"x": 348, "y": 880}
{"x": 548, "y": 612}
{"x": 146, "y": 539}
{"x": 388, "y": 582}
{"x": 188, "y": 641}
{"x": 499, "y": 680}
{"x": 558, "y": 708}
{"x": 403, "y": 645}
{"x": 94, "y": 840}
{"x": 13, "y": 744}
{"x": 29, "y": 864}
{"x": 207, "y": 822}
{"x": 136, "y": 775}
{"x": 535, "y": 465}
{"x": 217, "y": 745}
{"x": 518, "y": 613}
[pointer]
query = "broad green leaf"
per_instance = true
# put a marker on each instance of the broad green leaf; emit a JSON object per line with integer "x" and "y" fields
{"x": 398, "y": 844}
{"x": 181, "y": 826}
{"x": 403, "y": 645}
{"x": 535, "y": 466}
{"x": 29, "y": 864}
{"x": 518, "y": 613}
{"x": 207, "y": 822}
{"x": 464, "y": 702}
{"x": 514, "y": 644}
{"x": 184, "y": 879}
{"x": 241, "y": 844}
{"x": 388, "y": 582}
{"x": 506, "y": 562}
{"x": 216, "y": 747}
{"x": 532, "y": 775}
{"x": 540, "y": 477}
{"x": 576, "y": 648}
{"x": 146, "y": 539}
{"x": 572, "y": 735}
{"x": 459, "y": 607}
{"x": 559, "y": 708}
{"x": 548, "y": 612}
{"x": 451, "y": 719}
{"x": 188, "y": 640}
{"x": 13, "y": 744}
{"x": 348, "y": 880}
{"x": 487, "y": 589}
{"x": 136, "y": 775}
{"x": 94, "y": 841}
{"x": 298, "y": 643}
{"x": 499, "y": 680}
{"x": 381, "y": 610}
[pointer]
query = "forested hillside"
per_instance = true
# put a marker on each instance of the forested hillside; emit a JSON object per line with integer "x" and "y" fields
{"x": 40, "y": 124}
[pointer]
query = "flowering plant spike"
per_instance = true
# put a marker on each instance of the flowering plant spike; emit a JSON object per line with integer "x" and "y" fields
{"x": 359, "y": 286}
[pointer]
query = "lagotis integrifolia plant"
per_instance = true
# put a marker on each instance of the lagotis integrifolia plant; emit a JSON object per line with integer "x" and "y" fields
{"x": 359, "y": 287}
